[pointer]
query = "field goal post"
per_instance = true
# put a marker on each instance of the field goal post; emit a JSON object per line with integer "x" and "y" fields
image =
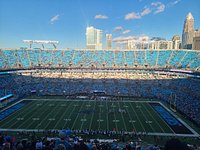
{"x": 172, "y": 102}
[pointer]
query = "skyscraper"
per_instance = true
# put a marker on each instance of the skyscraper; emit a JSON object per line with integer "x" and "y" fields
{"x": 188, "y": 32}
{"x": 93, "y": 38}
{"x": 108, "y": 41}
{"x": 196, "y": 40}
{"x": 176, "y": 42}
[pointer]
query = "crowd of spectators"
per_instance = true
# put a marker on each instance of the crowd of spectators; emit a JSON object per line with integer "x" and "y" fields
{"x": 64, "y": 140}
{"x": 180, "y": 91}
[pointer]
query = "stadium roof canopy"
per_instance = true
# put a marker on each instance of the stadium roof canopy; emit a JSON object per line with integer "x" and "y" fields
{"x": 41, "y": 42}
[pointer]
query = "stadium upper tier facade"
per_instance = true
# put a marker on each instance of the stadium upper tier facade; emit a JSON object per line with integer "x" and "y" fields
{"x": 53, "y": 58}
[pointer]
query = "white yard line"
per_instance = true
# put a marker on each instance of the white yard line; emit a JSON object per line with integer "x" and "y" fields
{"x": 137, "y": 117}
{"x": 36, "y": 115}
{"x": 90, "y": 126}
{"x": 115, "y": 118}
{"x": 69, "y": 117}
{"x": 153, "y": 118}
{"x": 195, "y": 134}
{"x": 29, "y": 114}
{"x": 150, "y": 133}
{"x": 99, "y": 122}
{"x": 107, "y": 116}
{"x": 146, "y": 119}
{"x": 11, "y": 105}
{"x": 84, "y": 118}
{"x": 131, "y": 119}
{"x": 44, "y": 119}
{"x": 142, "y": 101}
{"x": 58, "y": 105}
{"x": 163, "y": 121}
{"x": 123, "y": 119}
{"x": 179, "y": 119}
{"x": 62, "y": 116}
{"x": 17, "y": 114}
{"x": 77, "y": 115}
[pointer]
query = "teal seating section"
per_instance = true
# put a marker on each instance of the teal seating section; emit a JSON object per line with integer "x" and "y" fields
{"x": 34, "y": 56}
{"x": 56, "y": 57}
{"x": 188, "y": 58}
{"x": 119, "y": 58}
{"x": 30, "y": 58}
{"x": 67, "y": 57}
{"x": 46, "y": 57}
{"x": 130, "y": 58}
{"x": 109, "y": 58}
{"x": 23, "y": 58}
{"x": 140, "y": 58}
{"x": 77, "y": 59}
{"x": 151, "y": 57}
{"x": 87, "y": 58}
{"x": 176, "y": 57}
{"x": 98, "y": 59}
{"x": 163, "y": 57}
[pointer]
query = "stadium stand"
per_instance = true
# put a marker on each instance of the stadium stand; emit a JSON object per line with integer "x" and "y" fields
{"x": 127, "y": 84}
{"x": 125, "y": 73}
{"x": 62, "y": 140}
{"x": 33, "y": 58}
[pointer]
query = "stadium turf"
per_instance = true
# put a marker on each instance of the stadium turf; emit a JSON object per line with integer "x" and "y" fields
{"x": 45, "y": 114}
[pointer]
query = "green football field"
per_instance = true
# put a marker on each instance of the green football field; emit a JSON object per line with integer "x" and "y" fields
{"x": 50, "y": 114}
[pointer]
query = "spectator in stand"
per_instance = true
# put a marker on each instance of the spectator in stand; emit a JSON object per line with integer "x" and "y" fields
{"x": 175, "y": 144}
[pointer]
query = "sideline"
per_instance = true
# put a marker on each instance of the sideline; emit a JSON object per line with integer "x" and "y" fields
{"x": 195, "y": 134}
{"x": 149, "y": 133}
{"x": 179, "y": 119}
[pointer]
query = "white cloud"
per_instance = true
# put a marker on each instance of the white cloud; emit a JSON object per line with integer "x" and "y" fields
{"x": 159, "y": 7}
{"x": 132, "y": 15}
{"x": 124, "y": 39}
{"x": 126, "y": 31}
{"x": 146, "y": 11}
{"x": 54, "y": 19}
{"x": 176, "y": 2}
{"x": 173, "y": 3}
{"x": 119, "y": 28}
{"x": 101, "y": 17}
{"x": 155, "y": 7}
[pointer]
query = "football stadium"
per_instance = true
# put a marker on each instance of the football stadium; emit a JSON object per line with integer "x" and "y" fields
{"x": 100, "y": 93}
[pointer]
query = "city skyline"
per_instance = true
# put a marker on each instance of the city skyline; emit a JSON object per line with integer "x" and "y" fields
{"x": 93, "y": 38}
{"x": 66, "y": 21}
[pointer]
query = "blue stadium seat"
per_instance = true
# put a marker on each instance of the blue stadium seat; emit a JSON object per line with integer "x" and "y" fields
{"x": 119, "y": 58}
{"x": 87, "y": 59}
{"x": 195, "y": 63}
{"x": 23, "y": 58}
{"x": 151, "y": 57}
{"x": 35, "y": 57}
{"x": 189, "y": 58}
{"x": 98, "y": 58}
{"x": 78, "y": 58}
{"x": 11, "y": 58}
{"x": 67, "y": 57}
{"x": 176, "y": 58}
{"x": 56, "y": 58}
{"x": 46, "y": 57}
{"x": 2, "y": 60}
{"x": 109, "y": 58}
{"x": 130, "y": 58}
{"x": 140, "y": 57}
{"x": 163, "y": 57}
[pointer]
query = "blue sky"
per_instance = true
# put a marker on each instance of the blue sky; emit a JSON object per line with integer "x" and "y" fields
{"x": 66, "y": 20}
